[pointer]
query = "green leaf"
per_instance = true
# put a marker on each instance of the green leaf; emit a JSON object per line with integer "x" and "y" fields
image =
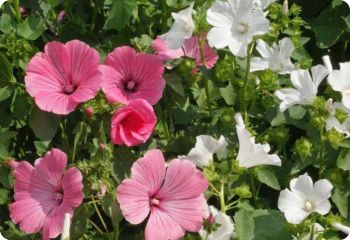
{"x": 32, "y": 28}
{"x": 5, "y": 93}
{"x": 120, "y": 14}
{"x": 297, "y": 112}
{"x": 330, "y": 25}
{"x": 43, "y": 124}
{"x": 4, "y": 196}
{"x": 343, "y": 161}
{"x": 122, "y": 163}
{"x": 174, "y": 81}
{"x": 6, "y": 71}
{"x": 267, "y": 176}
{"x": 261, "y": 225}
{"x": 228, "y": 94}
{"x": 80, "y": 220}
{"x": 5, "y": 138}
{"x": 112, "y": 209}
{"x": 6, "y": 25}
{"x": 341, "y": 200}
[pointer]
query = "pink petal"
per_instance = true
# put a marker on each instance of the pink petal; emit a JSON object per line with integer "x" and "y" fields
{"x": 22, "y": 174}
{"x": 150, "y": 171}
{"x": 188, "y": 213}
{"x": 53, "y": 225}
{"x": 51, "y": 167}
{"x": 161, "y": 226}
{"x": 133, "y": 200}
{"x": 164, "y": 53}
{"x": 28, "y": 214}
{"x": 72, "y": 183}
{"x": 191, "y": 48}
{"x": 182, "y": 181}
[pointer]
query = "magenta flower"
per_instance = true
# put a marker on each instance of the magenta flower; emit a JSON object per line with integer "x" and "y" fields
{"x": 189, "y": 49}
{"x": 133, "y": 124}
{"x": 63, "y": 76}
{"x": 172, "y": 197}
{"x": 45, "y": 193}
{"x": 128, "y": 75}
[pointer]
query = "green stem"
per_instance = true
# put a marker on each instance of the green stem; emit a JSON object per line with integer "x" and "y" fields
{"x": 99, "y": 213}
{"x": 17, "y": 10}
{"x": 245, "y": 83}
{"x": 163, "y": 122}
{"x": 94, "y": 15}
{"x": 222, "y": 198}
{"x": 313, "y": 228}
{"x": 216, "y": 191}
{"x": 95, "y": 226}
{"x": 253, "y": 188}
{"x": 321, "y": 151}
{"x": 207, "y": 93}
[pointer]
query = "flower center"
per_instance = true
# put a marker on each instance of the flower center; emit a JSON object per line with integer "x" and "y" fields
{"x": 69, "y": 89}
{"x": 242, "y": 28}
{"x": 130, "y": 86}
{"x": 309, "y": 206}
{"x": 155, "y": 201}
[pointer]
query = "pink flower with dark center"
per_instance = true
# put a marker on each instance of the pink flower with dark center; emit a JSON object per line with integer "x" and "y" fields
{"x": 189, "y": 49}
{"x": 128, "y": 75}
{"x": 44, "y": 193}
{"x": 171, "y": 196}
{"x": 133, "y": 124}
{"x": 64, "y": 76}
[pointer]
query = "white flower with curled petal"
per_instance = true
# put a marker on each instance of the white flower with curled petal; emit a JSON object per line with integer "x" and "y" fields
{"x": 251, "y": 154}
{"x": 305, "y": 198}
{"x": 340, "y": 81}
{"x": 305, "y": 90}
{"x": 235, "y": 23}
{"x": 206, "y": 146}
{"x": 225, "y": 231}
{"x": 182, "y": 28}
{"x": 276, "y": 57}
{"x": 333, "y": 122}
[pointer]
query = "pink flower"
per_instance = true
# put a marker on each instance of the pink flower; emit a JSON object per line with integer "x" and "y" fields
{"x": 45, "y": 193}
{"x": 133, "y": 124}
{"x": 172, "y": 197}
{"x": 128, "y": 75}
{"x": 63, "y": 76}
{"x": 189, "y": 49}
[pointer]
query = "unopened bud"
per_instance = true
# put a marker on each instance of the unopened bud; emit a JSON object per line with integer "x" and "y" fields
{"x": 285, "y": 8}
{"x": 327, "y": 62}
{"x": 12, "y": 163}
{"x": 89, "y": 112}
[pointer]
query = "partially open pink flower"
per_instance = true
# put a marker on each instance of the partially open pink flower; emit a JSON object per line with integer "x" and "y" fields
{"x": 63, "y": 76}
{"x": 133, "y": 124}
{"x": 189, "y": 49}
{"x": 172, "y": 197}
{"x": 45, "y": 193}
{"x": 128, "y": 75}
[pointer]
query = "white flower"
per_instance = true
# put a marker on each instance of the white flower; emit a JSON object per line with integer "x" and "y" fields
{"x": 305, "y": 90}
{"x": 251, "y": 154}
{"x": 347, "y": 2}
{"x": 340, "y": 81}
{"x": 348, "y": 237}
{"x": 226, "y": 229}
{"x": 2, "y": 238}
{"x": 333, "y": 122}
{"x": 206, "y": 146}
{"x": 276, "y": 57}
{"x": 342, "y": 228}
{"x": 262, "y": 4}
{"x": 66, "y": 227}
{"x": 305, "y": 198}
{"x": 327, "y": 62}
{"x": 235, "y": 24}
{"x": 182, "y": 28}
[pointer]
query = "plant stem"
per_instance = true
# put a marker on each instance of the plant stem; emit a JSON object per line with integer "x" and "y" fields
{"x": 313, "y": 228}
{"x": 321, "y": 151}
{"x": 207, "y": 93}
{"x": 17, "y": 10}
{"x": 95, "y": 226}
{"x": 245, "y": 83}
{"x": 163, "y": 122}
{"x": 98, "y": 213}
{"x": 222, "y": 198}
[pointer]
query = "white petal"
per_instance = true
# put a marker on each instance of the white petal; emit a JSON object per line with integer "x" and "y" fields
{"x": 327, "y": 62}
{"x": 219, "y": 37}
{"x": 258, "y": 64}
{"x": 66, "y": 227}
{"x": 322, "y": 190}
{"x": 323, "y": 207}
{"x": 339, "y": 79}
{"x": 341, "y": 227}
{"x": 286, "y": 47}
{"x": 346, "y": 99}
{"x": 303, "y": 185}
{"x": 302, "y": 81}
{"x": 220, "y": 15}
{"x": 264, "y": 49}
{"x": 319, "y": 72}
{"x": 289, "y": 97}
{"x": 292, "y": 205}
{"x": 239, "y": 48}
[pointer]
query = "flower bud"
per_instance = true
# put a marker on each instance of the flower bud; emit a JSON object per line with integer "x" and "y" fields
{"x": 12, "y": 163}
{"x": 285, "y": 8}
{"x": 89, "y": 112}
